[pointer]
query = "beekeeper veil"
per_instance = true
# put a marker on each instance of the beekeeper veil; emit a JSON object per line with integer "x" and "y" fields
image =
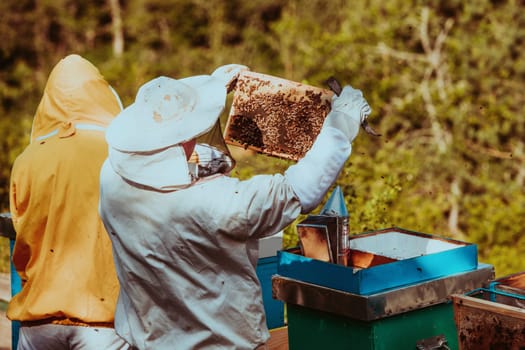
{"x": 145, "y": 139}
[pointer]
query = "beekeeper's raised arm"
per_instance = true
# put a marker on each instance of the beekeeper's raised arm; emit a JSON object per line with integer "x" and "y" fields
{"x": 312, "y": 176}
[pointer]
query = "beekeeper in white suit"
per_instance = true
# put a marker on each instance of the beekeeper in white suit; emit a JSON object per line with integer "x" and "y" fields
{"x": 186, "y": 245}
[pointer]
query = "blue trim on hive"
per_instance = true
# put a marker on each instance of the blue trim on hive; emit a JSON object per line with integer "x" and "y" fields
{"x": 380, "y": 277}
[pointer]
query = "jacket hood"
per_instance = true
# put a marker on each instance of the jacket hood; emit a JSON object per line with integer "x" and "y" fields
{"x": 75, "y": 94}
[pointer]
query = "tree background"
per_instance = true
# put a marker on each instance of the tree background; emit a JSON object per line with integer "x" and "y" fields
{"x": 445, "y": 79}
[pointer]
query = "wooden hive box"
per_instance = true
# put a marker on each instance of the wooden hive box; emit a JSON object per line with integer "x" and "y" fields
{"x": 492, "y": 317}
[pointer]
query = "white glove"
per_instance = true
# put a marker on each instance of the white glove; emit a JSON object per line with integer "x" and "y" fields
{"x": 349, "y": 110}
{"x": 228, "y": 74}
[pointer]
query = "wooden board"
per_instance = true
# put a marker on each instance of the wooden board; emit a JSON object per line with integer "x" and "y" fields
{"x": 515, "y": 281}
{"x": 278, "y": 339}
{"x": 275, "y": 116}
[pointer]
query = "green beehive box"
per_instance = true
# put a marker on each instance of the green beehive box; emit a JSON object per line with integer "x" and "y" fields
{"x": 399, "y": 318}
{"x": 314, "y": 329}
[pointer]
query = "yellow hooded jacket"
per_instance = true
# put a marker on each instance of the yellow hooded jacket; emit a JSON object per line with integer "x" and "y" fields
{"x": 62, "y": 251}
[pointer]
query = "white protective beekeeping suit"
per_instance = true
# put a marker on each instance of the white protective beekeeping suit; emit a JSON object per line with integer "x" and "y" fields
{"x": 186, "y": 246}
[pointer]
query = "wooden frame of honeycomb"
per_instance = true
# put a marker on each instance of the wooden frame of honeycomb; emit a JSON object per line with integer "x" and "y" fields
{"x": 275, "y": 116}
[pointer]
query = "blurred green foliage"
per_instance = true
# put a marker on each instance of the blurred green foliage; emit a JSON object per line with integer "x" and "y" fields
{"x": 4, "y": 255}
{"x": 445, "y": 80}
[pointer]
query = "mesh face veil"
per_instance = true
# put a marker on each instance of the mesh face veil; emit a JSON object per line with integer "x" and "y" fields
{"x": 212, "y": 154}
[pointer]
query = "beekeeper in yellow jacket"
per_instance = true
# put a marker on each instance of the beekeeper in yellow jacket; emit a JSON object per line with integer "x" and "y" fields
{"x": 62, "y": 251}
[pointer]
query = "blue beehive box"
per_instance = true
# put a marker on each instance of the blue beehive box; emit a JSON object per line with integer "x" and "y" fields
{"x": 274, "y": 309}
{"x": 266, "y": 268}
{"x": 383, "y": 259}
